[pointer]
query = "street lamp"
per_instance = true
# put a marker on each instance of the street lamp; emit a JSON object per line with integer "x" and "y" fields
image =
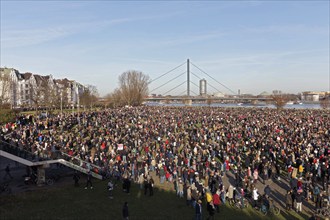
{"x": 78, "y": 102}
{"x": 61, "y": 103}
{"x": 61, "y": 95}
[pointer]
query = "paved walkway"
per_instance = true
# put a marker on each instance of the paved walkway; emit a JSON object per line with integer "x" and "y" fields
{"x": 18, "y": 171}
{"x": 278, "y": 192}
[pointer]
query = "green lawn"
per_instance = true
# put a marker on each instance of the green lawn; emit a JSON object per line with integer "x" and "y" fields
{"x": 77, "y": 203}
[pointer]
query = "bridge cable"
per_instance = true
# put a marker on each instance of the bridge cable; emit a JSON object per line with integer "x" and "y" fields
{"x": 214, "y": 87}
{"x": 175, "y": 87}
{"x": 167, "y": 82}
{"x": 194, "y": 85}
{"x": 185, "y": 92}
{"x": 167, "y": 72}
{"x": 194, "y": 93}
{"x": 207, "y": 82}
{"x": 195, "y": 75}
{"x": 214, "y": 79}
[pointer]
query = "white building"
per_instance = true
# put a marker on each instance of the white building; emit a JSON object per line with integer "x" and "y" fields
{"x": 311, "y": 96}
{"x": 26, "y": 84}
{"x": 219, "y": 95}
{"x": 27, "y": 89}
{"x": 9, "y": 91}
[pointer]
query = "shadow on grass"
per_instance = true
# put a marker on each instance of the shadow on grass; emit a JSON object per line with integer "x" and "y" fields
{"x": 69, "y": 202}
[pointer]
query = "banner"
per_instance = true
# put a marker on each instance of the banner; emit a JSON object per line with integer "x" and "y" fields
{"x": 294, "y": 172}
{"x": 120, "y": 147}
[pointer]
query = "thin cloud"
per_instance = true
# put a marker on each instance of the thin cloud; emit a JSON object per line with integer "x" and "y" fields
{"x": 288, "y": 29}
{"x": 19, "y": 38}
{"x": 260, "y": 58}
{"x": 28, "y": 37}
{"x": 146, "y": 61}
{"x": 187, "y": 39}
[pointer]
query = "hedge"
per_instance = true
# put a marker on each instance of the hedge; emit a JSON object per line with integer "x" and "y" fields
{"x": 6, "y": 115}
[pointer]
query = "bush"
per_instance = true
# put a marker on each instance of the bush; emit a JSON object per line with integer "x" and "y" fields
{"x": 7, "y": 115}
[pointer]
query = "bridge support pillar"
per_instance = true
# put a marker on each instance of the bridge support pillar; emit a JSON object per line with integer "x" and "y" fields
{"x": 188, "y": 102}
{"x": 41, "y": 175}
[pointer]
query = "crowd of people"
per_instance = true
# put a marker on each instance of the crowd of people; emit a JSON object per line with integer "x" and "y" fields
{"x": 192, "y": 147}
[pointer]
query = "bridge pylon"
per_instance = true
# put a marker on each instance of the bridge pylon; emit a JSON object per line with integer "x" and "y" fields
{"x": 188, "y": 78}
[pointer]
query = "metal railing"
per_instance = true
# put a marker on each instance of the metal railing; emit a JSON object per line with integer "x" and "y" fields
{"x": 17, "y": 151}
{"x": 57, "y": 155}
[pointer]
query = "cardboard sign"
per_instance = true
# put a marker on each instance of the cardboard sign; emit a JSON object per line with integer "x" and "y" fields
{"x": 120, "y": 147}
{"x": 294, "y": 172}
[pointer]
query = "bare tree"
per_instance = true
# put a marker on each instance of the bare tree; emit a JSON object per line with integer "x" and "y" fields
{"x": 62, "y": 100}
{"x": 133, "y": 86}
{"x": 167, "y": 100}
{"x": 94, "y": 94}
{"x": 51, "y": 97}
{"x": 38, "y": 93}
{"x": 5, "y": 87}
{"x": 209, "y": 100}
{"x": 89, "y": 96}
{"x": 35, "y": 97}
{"x": 279, "y": 100}
{"x": 325, "y": 103}
{"x": 115, "y": 99}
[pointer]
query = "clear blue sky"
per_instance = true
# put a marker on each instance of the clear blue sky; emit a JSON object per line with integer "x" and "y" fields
{"x": 253, "y": 46}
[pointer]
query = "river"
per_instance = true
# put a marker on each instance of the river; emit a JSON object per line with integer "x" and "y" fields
{"x": 288, "y": 106}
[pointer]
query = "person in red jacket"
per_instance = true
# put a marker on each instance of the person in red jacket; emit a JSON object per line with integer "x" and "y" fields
{"x": 216, "y": 200}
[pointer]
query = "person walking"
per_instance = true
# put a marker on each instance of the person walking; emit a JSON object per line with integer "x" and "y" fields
{"x": 188, "y": 198}
{"x": 231, "y": 193}
{"x": 89, "y": 180}
{"x": 293, "y": 197}
{"x": 110, "y": 189}
{"x": 255, "y": 176}
{"x": 7, "y": 169}
{"x": 76, "y": 179}
{"x": 288, "y": 200}
{"x": 198, "y": 210}
{"x": 318, "y": 201}
{"x": 216, "y": 200}
{"x": 125, "y": 211}
{"x": 162, "y": 174}
{"x": 127, "y": 183}
{"x": 316, "y": 193}
{"x": 146, "y": 184}
{"x": 180, "y": 189}
{"x": 210, "y": 208}
{"x": 267, "y": 191}
{"x": 299, "y": 199}
{"x": 151, "y": 186}
{"x": 255, "y": 196}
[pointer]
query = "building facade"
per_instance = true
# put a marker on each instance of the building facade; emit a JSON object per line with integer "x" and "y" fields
{"x": 312, "y": 96}
{"x": 32, "y": 90}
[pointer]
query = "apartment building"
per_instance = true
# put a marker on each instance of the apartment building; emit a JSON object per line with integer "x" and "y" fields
{"x": 31, "y": 90}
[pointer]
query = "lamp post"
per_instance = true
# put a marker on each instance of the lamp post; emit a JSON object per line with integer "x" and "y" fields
{"x": 78, "y": 102}
{"x": 61, "y": 103}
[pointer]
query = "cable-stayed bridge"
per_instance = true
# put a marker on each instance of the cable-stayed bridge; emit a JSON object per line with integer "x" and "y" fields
{"x": 185, "y": 86}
